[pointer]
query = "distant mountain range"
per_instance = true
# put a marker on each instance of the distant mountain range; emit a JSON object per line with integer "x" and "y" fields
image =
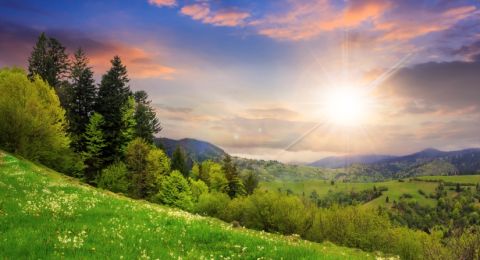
{"x": 334, "y": 162}
{"x": 196, "y": 150}
{"x": 370, "y": 167}
{"x": 426, "y": 162}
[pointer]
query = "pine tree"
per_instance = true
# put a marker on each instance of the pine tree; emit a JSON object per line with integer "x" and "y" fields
{"x": 179, "y": 162}
{"x": 113, "y": 96}
{"x": 147, "y": 122}
{"x": 94, "y": 145}
{"x": 235, "y": 185}
{"x": 50, "y": 61}
{"x": 82, "y": 98}
{"x": 250, "y": 183}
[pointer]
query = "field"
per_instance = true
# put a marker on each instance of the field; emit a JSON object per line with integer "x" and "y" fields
{"x": 44, "y": 214}
{"x": 395, "y": 188}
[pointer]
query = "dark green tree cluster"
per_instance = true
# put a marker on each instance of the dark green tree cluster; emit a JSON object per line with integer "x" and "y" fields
{"x": 101, "y": 120}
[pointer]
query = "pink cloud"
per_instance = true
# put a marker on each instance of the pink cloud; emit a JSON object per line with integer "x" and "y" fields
{"x": 138, "y": 61}
{"x": 162, "y": 3}
{"x": 203, "y": 13}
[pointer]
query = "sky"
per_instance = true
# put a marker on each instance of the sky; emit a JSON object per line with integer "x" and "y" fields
{"x": 256, "y": 77}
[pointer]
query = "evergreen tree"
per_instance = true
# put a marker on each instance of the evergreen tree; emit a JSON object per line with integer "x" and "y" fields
{"x": 127, "y": 131}
{"x": 179, "y": 162}
{"x": 235, "y": 185}
{"x": 250, "y": 183}
{"x": 113, "y": 97}
{"x": 50, "y": 61}
{"x": 82, "y": 98}
{"x": 94, "y": 142}
{"x": 147, "y": 122}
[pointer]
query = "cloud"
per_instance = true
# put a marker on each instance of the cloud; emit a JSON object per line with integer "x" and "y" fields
{"x": 446, "y": 87}
{"x": 272, "y": 113}
{"x": 162, "y": 3}
{"x": 18, "y": 41}
{"x": 307, "y": 19}
{"x": 470, "y": 52}
{"x": 410, "y": 21}
{"x": 225, "y": 17}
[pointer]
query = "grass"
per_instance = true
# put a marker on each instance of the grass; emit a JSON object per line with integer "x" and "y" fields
{"x": 395, "y": 189}
{"x": 472, "y": 179}
{"x": 44, "y": 214}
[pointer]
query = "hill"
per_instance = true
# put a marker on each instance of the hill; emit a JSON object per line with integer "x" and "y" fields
{"x": 347, "y": 160}
{"x": 45, "y": 215}
{"x": 196, "y": 150}
{"x": 423, "y": 163}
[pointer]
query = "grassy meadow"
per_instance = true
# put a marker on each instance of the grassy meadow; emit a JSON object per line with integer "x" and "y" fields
{"x": 395, "y": 188}
{"x": 44, "y": 214}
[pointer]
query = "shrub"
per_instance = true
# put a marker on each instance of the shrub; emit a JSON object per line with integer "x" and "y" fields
{"x": 33, "y": 123}
{"x": 175, "y": 191}
{"x": 115, "y": 178}
{"x": 212, "y": 204}
{"x": 198, "y": 187}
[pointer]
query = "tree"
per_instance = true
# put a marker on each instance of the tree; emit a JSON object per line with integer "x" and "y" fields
{"x": 113, "y": 97}
{"x": 250, "y": 182}
{"x": 115, "y": 178}
{"x": 235, "y": 185}
{"x": 179, "y": 162}
{"x": 198, "y": 187}
{"x": 82, "y": 98}
{"x": 33, "y": 123}
{"x": 127, "y": 130}
{"x": 158, "y": 166}
{"x": 145, "y": 117}
{"x": 50, "y": 61}
{"x": 94, "y": 143}
{"x": 136, "y": 154}
{"x": 175, "y": 191}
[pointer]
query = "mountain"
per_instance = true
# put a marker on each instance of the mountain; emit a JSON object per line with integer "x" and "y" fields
{"x": 334, "y": 162}
{"x": 196, "y": 150}
{"x": 426, "y": 162}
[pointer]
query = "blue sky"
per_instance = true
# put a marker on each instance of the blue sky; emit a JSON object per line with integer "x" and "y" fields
{"x": 253, "y": 76}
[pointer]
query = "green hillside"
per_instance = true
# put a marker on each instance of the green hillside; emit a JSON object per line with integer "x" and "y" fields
{"x": 44, "y": 214}
{"x": 396, "y": 189}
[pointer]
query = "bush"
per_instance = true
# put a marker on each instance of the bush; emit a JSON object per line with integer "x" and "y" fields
{"x": 33, "y": 123}
{"x": 198, "y": 187}
{"x": 175, "y": 191}
{"x": 115, "y": 178}
{"x": 212, "y": 204}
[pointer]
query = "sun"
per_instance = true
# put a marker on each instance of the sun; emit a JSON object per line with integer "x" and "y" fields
{"x": 347, "y": 106}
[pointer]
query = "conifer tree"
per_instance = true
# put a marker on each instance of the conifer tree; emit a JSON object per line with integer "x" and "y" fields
{"x": 179, "y": 162}
{"x": 50, "y": 61}
{"x": 250, "y": 183}
{"x": 235, "y": 186}
{"x": 113, "y": 97}
{"x": 145, "y": 117}
{"x": 94, "y": 145}
{"x": 82, "y": 98}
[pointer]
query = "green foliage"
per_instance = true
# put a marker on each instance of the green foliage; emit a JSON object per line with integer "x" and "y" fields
{"x": 114, "y": 105}
{"x": 147, "y": 123}
{"x": 115, "y": 178}
{"x": 212, "y": 204}
{"x": 33, "y": 123}
{"x": 94, "y": 143}
{"x": 127, "y": 130}
{"x": 250, "y": 182}
{"x": 175, "y": 191}
{"x": 235, "y": 185}
{"x": 81, "y": 99}
{"x": 49, "y": 60}
{"x": 198, "y": 187}
{"x": 179, "y": 162}
{"x": 136, "y": 154}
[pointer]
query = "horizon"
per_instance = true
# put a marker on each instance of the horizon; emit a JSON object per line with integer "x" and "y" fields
{"x": 279, "y": 80}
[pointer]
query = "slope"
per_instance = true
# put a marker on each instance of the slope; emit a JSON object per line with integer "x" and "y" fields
{"x": 44, "y": 215}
